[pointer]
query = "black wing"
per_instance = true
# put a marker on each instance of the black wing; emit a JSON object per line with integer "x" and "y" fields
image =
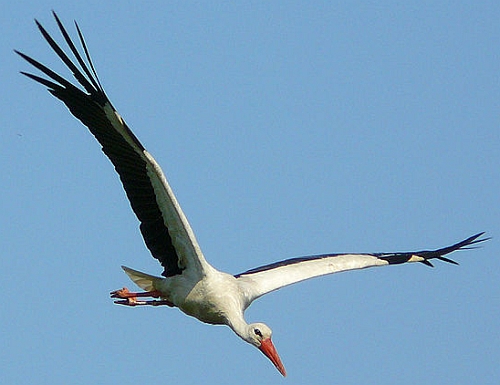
{"x": 265, "y": 279}
{"x": 165, "y": 229}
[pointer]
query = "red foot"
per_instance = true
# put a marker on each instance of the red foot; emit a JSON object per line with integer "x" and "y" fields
{"x": 126, "y": 293}
{"x": 130, "y": 299}
{"x": 134, "y": 302}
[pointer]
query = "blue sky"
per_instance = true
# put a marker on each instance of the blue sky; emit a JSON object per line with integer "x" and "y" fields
{"x": 285, "y": 129}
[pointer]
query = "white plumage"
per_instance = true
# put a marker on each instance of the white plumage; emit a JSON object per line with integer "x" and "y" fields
{"x": 188, "y": 281}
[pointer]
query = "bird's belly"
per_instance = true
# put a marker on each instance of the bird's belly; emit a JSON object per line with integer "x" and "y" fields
{"x": 209, "y": 303}
{"x": 205, "y": 312}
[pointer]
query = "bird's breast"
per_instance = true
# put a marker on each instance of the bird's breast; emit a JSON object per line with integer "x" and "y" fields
{"x": 212, "y": 301}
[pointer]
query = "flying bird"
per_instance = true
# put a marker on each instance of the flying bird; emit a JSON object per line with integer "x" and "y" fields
{"x": 188, "y": 281}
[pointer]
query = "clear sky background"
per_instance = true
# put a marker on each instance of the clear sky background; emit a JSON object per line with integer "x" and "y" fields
{"x": 285, "y": 129}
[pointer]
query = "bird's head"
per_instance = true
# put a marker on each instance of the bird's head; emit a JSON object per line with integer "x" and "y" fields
{"x": 259, "y": 335}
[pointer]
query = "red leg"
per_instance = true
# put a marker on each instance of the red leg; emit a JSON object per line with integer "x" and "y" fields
{"x": 130, "y": 299}
{"x": 133, "y": 302}
{"x": 125, "y": 293}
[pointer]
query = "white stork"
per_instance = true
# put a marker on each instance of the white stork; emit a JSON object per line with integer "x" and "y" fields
{"x": 188, "y": 281}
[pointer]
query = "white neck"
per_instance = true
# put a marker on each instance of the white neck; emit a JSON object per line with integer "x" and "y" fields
{"x": 240, "y": 327}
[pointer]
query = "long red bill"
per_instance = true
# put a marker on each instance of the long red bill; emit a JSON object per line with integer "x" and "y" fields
{"x": 269, "y": 350}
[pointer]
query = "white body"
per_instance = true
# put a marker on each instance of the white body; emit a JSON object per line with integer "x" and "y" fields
{"x": 189, "y": 282}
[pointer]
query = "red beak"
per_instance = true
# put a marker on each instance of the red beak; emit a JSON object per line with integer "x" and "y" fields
{"x": 269, "y": 350}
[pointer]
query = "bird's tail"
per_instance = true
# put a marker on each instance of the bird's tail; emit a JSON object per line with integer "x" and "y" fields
{"x": 143, "y": 280}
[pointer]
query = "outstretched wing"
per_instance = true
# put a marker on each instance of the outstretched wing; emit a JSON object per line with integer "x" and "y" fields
{"x": 264, "y": 279}
{"x": 163, "y": 225}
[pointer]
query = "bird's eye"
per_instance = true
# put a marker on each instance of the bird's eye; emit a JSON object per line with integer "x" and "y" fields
{"x": 257, "y": 332}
